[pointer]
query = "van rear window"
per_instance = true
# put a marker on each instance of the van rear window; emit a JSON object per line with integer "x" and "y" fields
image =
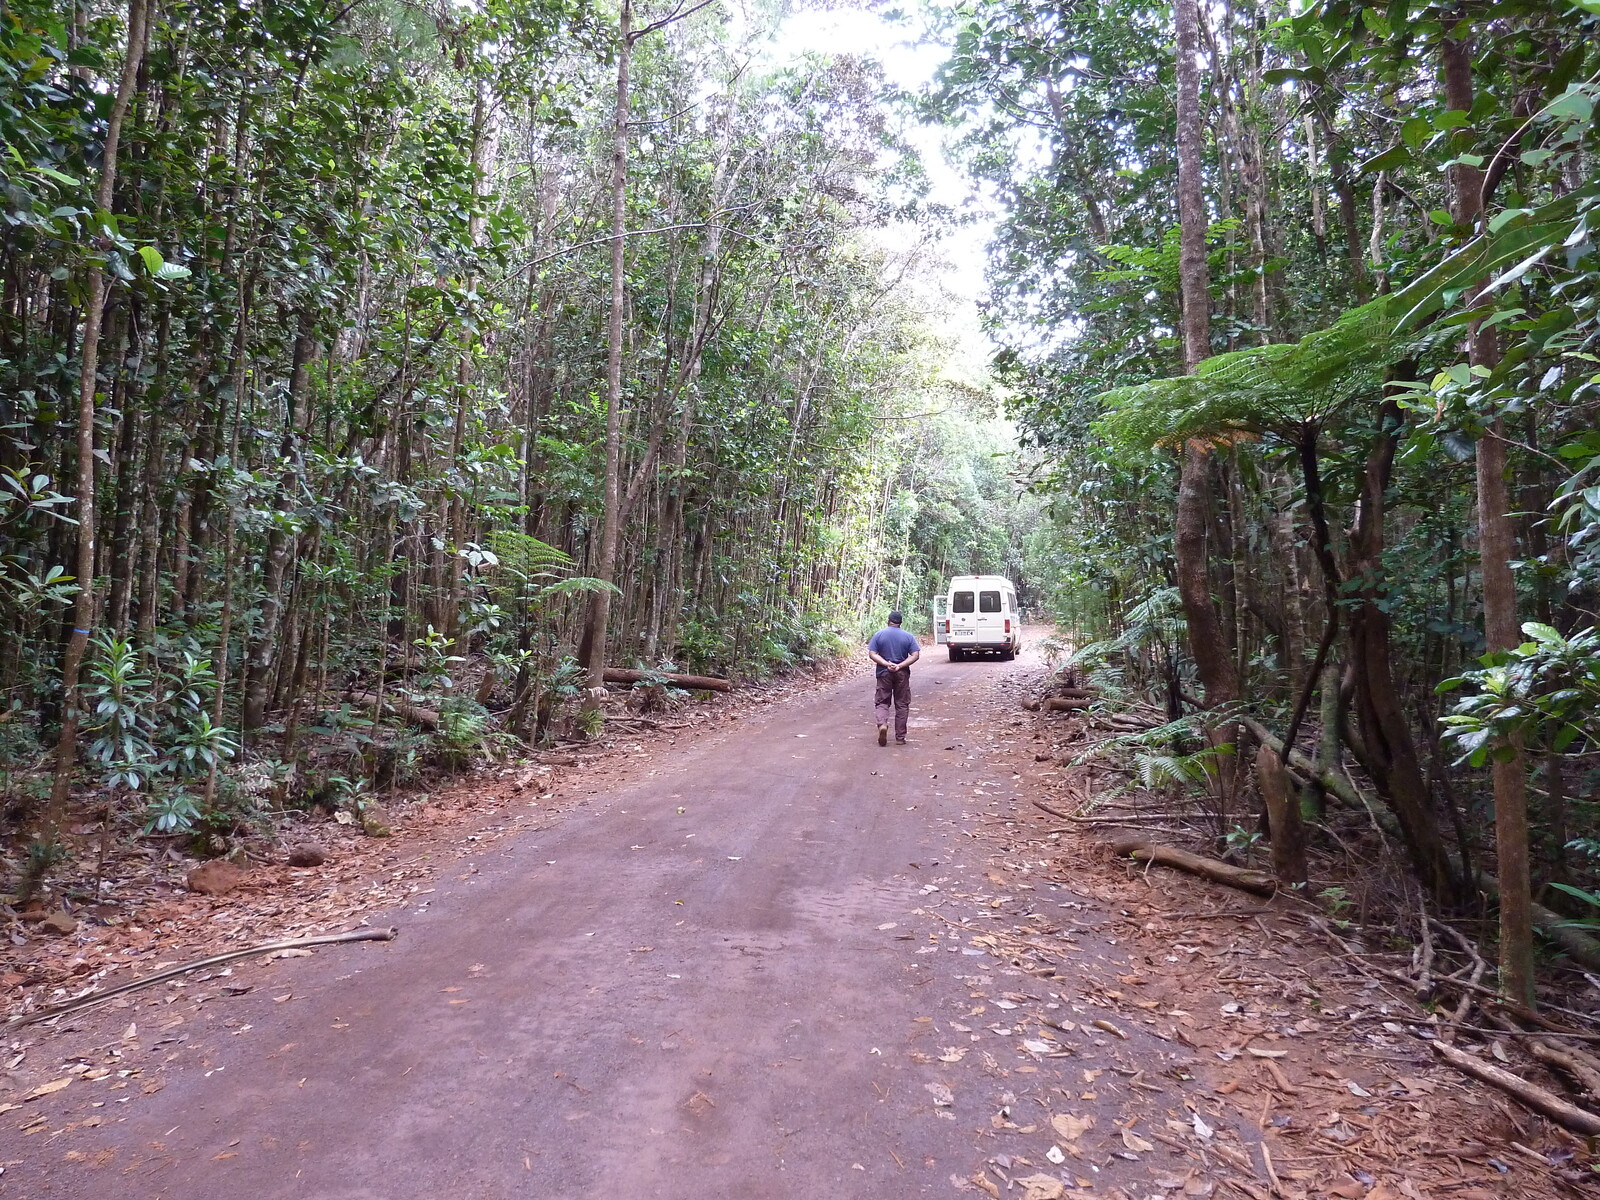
{"x": 988, "y": 601}
{"x": 961, "y": 602}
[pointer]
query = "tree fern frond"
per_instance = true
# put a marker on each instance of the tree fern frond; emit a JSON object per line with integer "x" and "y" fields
{"x": 581, "y": 584}
{"x": 525, "y": 555}
{"x": 1263, "y": 389}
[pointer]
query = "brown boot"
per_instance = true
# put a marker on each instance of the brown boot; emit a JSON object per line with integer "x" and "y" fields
{"x": 883, "y": 735}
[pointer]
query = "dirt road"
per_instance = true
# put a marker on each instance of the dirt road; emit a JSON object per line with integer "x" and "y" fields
{"x": 702, "y": 984}
{"x": 780, "y": 961}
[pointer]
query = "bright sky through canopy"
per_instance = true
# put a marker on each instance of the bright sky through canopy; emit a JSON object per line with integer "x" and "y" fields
{"x": 910, "y": 63}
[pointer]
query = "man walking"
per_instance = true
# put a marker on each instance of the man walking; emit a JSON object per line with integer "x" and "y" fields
{"x": 893, "y": 650}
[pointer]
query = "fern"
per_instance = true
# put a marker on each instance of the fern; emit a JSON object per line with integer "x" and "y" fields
{"x": 1271, "y": 389}
{"x": 1159, "y": 738}
{"x": 1160, "y": 770}
{"x": 527, "y": 556}
{"x": 576, "y": 585}
{"x": 1155, "y": 623}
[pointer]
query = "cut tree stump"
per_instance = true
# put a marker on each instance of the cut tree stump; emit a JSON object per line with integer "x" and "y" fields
{"x": 697, "y": 683}
{"x": 1256, "y": 882}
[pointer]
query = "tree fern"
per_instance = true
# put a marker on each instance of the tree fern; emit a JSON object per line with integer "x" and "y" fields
{"x": 528, "y": 556}
{"x": 1161, "y": 770}
{"x": 1275, "y": 388}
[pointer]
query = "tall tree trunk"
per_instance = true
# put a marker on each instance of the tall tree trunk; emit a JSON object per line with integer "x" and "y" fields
{"x": 83, "y": 609}
{"x": 1206, "y": 640}
{"x": 1496, "y": 548}
{"x": 592, "y": 646}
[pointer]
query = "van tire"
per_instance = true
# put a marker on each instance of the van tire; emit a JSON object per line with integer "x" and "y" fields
{"x": 1007, "y": 654}
{"x": 956, "y": 655}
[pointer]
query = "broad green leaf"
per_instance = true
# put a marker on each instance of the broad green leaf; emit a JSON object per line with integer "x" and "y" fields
{"x": 1394, "y": 156}
{"x": 1415, "y": 131}
{"x": 1576, "y": 105}
{"x": 1501, "y": 220}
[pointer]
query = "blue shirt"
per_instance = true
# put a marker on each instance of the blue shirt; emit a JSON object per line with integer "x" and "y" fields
{"x": 894, "y": 644}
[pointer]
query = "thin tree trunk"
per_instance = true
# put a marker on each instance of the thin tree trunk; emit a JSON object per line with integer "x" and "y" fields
{"x": 1206, "y": 639}
{"x": 592, "y": 647}
{"x": 1496, "y": 548}
{"x": 83, "y": 609}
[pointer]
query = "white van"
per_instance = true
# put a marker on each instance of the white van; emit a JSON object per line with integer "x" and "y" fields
{"x": 978, "y": 615}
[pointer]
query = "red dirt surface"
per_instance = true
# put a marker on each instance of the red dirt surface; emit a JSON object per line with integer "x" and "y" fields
{"x": 761, "y": 957}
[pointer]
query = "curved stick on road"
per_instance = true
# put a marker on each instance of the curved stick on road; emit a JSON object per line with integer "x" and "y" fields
{"x": 84, "y": 1001}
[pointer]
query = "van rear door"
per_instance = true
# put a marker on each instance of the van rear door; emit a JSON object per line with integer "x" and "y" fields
{"x": 963, "y": 617}
{"x": 941, "y": 624}
{"x": 991, "y": 617}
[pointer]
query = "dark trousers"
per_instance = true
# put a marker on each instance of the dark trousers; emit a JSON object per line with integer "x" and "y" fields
{"x": 894, "y": 688}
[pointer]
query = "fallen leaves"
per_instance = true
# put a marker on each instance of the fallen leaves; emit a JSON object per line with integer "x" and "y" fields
{"x": 1041, "y": 1187}
{"x": 1070, "y": 1128}
{"x": 1134, "y": 1142}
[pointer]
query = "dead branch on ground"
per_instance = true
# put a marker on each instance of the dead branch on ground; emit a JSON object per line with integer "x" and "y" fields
{"x": 1213, "y": 869}
{"x": 84, "y": 1001}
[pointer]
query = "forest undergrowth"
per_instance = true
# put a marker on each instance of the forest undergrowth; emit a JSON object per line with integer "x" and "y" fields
{"x": 1142, "y": 789}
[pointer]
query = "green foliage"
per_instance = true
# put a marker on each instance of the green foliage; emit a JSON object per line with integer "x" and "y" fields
{"x": 1147, "y": 649}
{"x": 176, "y": 811}
{"x": 1274, "y": 388}
{"x": 463, "y": 725}
{"x": 1583, "y": 896}
{"x": 1544, "y": 692}
{"x": 122, "y": 698}
{"x": 1177, "y": 770}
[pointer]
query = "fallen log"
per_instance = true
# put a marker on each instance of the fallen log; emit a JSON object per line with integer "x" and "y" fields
{"x": 1569, "y": 1116}
{"x": 425, "y": 718}
{"x": 697, "y": 683}
{"x": 1577, "y": 1065}
{"x": 1552, "y": 925}
{"x": 1063, "y": 704}
{"x": 1129, "y": 724}
{"x": 1255, "y": 882}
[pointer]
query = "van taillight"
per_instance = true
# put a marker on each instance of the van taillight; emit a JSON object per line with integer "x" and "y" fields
{"x": 1008, "y": 624}
{"x": 947, "y": 624}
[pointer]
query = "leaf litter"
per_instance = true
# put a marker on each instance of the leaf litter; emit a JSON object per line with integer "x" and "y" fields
{"x": 1230, "y": 1052}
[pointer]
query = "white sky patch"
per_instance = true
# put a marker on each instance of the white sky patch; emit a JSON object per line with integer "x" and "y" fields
{"x": 959, "y": 254}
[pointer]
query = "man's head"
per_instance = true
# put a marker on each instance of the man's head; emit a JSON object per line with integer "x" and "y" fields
{"x": 894, "y": 618}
